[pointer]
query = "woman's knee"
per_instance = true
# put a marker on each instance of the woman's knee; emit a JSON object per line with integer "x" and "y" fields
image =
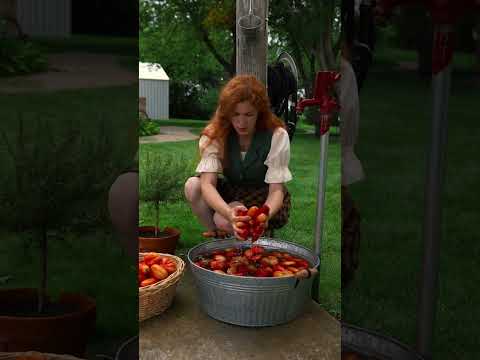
{"x": 221, "y": 223}
{"x": 193, "y": 189}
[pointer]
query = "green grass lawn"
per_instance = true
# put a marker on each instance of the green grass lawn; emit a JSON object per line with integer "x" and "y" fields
{"x": 89, "y": 258}
{"x": 395, "y": 119}
{"x": 300, "y": 229}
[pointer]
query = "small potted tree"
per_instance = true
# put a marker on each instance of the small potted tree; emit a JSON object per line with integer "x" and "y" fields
{"x": 50, "y": 176}
{"x": 162, "y": 177}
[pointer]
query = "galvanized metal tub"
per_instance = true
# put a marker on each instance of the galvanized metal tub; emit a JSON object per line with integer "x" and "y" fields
{"x": 373, "y": 345}
{"x": 251, "y": 301}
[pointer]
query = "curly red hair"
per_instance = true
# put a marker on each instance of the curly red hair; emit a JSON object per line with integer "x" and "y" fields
{"x": 239, "y": 89}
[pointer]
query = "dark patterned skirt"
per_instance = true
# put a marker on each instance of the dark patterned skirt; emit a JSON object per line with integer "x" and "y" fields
{"x": 255, "y": 195}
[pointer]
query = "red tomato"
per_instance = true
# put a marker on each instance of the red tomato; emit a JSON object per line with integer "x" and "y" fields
{"x": 252, "y": 212}
{"x": 282, "y": 273}
{"x": 242, "y": 212}
{"x": 277, "y": 254}
{"x": 151, "y": 259}
{"x": 168, "y": 264}
{"x": 244, "y": 233}
{"x": 252, "y": 269}
{"x": 302, "y": 263}
{"x": 262, "y": 272}
{"x": 258, "y": 249}
{"x": 220, "y": 258}
{"x": 265, "y": 209}
{"x": 149, "y": 281}
{"x": 217, "y": 265}
{"x": 256, "y": 257}
{"x": 278, "y": 268}
{"x": 241, "y": 224}
{"x": 270, "y": 260}
{"x": 159, "y": 272}
{"x": 262, "y": 218}
{"x": 230, "y": 254}
{"x": 143, "y": 268}
{"x": 248, "y": 253}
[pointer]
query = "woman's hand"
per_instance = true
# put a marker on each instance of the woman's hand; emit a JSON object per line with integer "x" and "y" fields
{"x": 236, "y": 217}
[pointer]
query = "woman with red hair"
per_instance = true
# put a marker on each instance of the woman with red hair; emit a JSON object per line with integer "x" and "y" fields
{"x": 245, "y": 151}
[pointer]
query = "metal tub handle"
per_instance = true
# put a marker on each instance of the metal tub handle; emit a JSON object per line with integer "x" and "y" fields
{"x": 304, "y": 274}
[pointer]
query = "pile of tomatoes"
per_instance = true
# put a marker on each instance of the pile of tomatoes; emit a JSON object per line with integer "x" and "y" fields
{"x": 256, "y": 225}
{"x": 255, "y": 261}
{"x": 154, "y": 268}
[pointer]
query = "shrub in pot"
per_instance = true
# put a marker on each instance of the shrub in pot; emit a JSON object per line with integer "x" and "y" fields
{"x": 162, "y": 178}
{"x": 49, "y": 175}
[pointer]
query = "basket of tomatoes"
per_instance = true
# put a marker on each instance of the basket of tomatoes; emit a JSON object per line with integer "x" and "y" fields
{"x": 158, "y": 276}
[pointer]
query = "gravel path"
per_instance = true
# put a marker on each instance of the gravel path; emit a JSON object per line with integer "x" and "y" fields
{"x": 169, "y": 133}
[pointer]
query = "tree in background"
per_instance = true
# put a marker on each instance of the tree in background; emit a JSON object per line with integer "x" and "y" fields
{"x": 195, "y": 42}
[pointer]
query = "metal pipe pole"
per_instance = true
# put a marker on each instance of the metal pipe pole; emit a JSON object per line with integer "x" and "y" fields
{"x": 321, "y": 191}
{"x": 322, "y": 185}
{"x": 428, "y": 291}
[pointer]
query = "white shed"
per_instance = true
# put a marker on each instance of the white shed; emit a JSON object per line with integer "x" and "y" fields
{"x": 45, "y": 18}
{"x": 153, "y": 86}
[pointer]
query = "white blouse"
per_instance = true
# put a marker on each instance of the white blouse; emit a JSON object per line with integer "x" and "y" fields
{"x": 277, "y": 159}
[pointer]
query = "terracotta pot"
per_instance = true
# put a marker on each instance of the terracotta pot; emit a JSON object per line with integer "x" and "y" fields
{"x": 61, "y": 334}
{"x": 165, "y": 242}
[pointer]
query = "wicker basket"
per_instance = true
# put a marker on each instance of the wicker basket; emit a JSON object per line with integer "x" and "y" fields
{"x": 34, "y": 355}
{"x": 155, "y": 299}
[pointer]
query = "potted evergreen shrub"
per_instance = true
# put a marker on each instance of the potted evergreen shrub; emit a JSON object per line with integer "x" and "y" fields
{"x": 50, "y": 175}
{"x": 162, "y": 178}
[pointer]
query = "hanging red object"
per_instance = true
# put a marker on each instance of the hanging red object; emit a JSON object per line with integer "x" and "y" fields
{"x": 323, "y": 98}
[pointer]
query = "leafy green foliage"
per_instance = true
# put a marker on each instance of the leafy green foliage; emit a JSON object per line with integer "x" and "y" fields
{"x": 51, "y": 173}
{"x": 162, "y": 177}
{"x": 195, "y": 43}
{"x": 20, "y": 57}
{"x": 148, "y": 128}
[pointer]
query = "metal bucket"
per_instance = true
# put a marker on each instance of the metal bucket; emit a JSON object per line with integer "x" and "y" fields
{"x": 373, "y": 345}
{"x": 251, "y": 301}
{"x": 250, "y": 25}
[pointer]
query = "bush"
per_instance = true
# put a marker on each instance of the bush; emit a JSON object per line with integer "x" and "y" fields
{"x": 162, "y": 177}
{"x": 20, "y": 57}
{"x": 148, "y": 128}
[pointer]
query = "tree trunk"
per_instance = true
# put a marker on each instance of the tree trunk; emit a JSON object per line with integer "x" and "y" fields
{"x": 251, "y": 53}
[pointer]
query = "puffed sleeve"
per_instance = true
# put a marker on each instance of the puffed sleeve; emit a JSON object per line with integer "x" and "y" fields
{"x": 210, "y": 161}
{"x": 278, "y": 158}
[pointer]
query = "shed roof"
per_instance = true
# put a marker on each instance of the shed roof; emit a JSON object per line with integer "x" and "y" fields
{"x": 151, "y": 71}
